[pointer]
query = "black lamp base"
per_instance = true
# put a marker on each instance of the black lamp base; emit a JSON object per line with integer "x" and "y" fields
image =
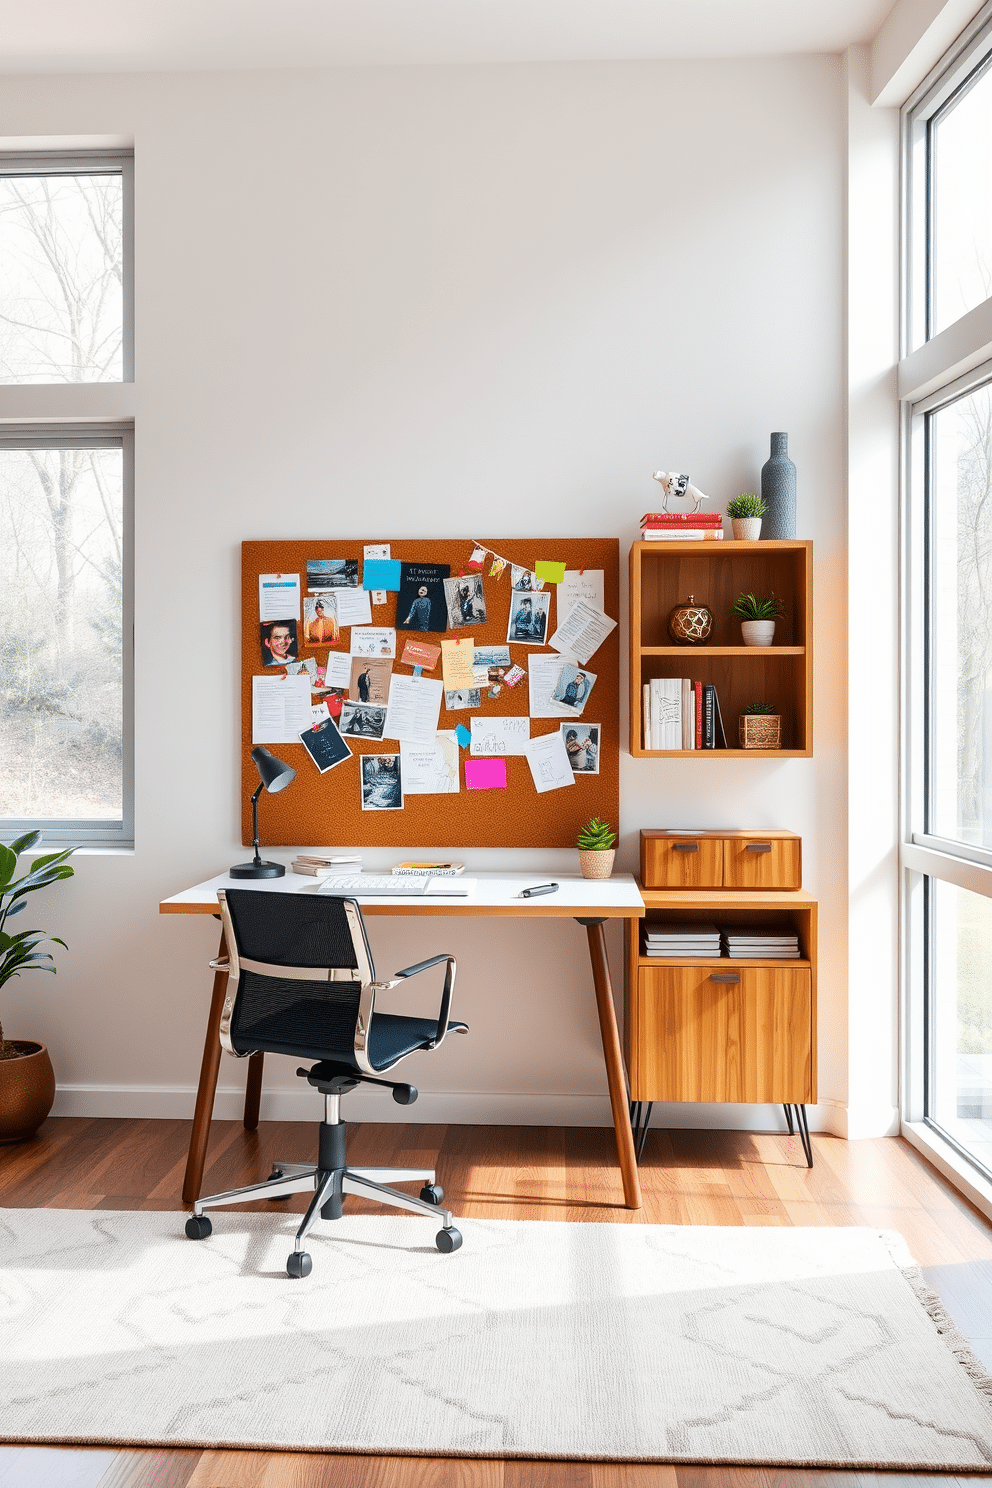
{"x": 257, "y": 870}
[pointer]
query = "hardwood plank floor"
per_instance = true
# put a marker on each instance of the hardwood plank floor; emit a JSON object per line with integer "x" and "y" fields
{"x": 565, "y": 1174}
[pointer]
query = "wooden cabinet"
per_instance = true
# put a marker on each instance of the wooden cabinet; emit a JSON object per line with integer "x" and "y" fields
{"x": 664, "y": 574}
{"x": 676, "y": 859}
{"x": 713, "y": 1029}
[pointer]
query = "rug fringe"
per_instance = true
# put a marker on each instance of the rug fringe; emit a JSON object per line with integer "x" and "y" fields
{"x": 947, "y": 1329}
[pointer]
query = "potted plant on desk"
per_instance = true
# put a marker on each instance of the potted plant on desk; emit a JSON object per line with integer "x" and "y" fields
{"x": 596, "y": 850}
{"x": 27, "y": 1080}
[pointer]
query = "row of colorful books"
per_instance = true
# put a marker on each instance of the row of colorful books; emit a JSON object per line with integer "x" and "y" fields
{"x": 682, "y": 527}
{"x": 681, "y": 714}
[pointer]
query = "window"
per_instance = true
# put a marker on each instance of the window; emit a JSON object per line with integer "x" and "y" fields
{"x": 948, "y": 586}
{"x": 65, "y": 501}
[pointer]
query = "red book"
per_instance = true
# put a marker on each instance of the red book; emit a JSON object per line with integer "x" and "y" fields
{"x": 697, "y": 688}
{"x": 679, "y": 519}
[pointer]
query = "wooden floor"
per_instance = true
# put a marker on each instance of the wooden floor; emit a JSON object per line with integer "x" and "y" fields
{"x": 689, "y": 1177}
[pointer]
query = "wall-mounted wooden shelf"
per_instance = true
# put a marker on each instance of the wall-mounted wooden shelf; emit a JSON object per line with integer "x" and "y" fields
{"x": 664, "y": 574}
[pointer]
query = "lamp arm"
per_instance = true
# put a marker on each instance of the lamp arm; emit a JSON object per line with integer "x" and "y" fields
{"x": 254, "y": 821}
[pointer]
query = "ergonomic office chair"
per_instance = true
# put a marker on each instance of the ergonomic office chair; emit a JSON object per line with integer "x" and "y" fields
{"x": 301, "y": 982}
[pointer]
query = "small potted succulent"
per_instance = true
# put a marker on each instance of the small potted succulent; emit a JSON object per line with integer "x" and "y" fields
{"x": 27, "y": 1080}
{"x": 760, "y": 727}
{"x": 757, "y": 614}
{"x": 596, "y": 850}
{"x": 745, "y": 512}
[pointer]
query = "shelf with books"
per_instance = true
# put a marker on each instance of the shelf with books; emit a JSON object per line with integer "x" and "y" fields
{"x": 664, "y": 575}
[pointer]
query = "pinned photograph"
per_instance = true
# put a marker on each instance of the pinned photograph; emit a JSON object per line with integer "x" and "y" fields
{"x": 362, "y": 720}
{"x": 421, "y": 602}
{"x": 528, "y": 623}
{"x": 463, "y": 697}
{"x": 382, "y": 782}
{"x": 308, "y": 665}
{"x": 325, "y": 745}
{"x": 524, "y": 578}
{"x": 320, "y": 621}
{"x": 331, "y": 573}
{"x": 582, "y": 746}
{"x": 465, "y": 600}
{"x": 573, "y": 687}
{"x": 369, "y": 680}
{"x": 279, "y": 643}
{"x": 491, "y": 656}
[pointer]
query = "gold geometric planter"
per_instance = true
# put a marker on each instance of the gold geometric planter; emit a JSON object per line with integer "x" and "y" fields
{"x": 27, "y": 1091}
{"x": 760, "y": 730}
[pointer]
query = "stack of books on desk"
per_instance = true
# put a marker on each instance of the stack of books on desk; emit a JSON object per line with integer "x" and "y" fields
{"x": 317, "y": 865}
{"x": 760, "y": 943}
{"x": 681, "y": 526}
{"x": 680, "y": 940}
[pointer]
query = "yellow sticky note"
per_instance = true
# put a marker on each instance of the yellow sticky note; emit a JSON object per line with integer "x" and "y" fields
{"x": 551, "y": 573}
{"x": 456, "y": 664}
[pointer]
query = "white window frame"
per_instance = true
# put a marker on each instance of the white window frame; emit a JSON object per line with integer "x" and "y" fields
{"x": 48, "y": 414}
{"x": 933, "y": 372}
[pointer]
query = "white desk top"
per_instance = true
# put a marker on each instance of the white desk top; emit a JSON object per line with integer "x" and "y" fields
{"x": 494, "y": 894}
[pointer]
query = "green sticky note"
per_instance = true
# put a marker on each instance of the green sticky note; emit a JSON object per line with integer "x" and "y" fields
{"x": 551, "y": 573}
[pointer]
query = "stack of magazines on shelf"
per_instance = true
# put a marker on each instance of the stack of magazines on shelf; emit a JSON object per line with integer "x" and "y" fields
{"x": 682, "y": 526}
{"x": 680, "y": 714}
{"x": 760, "y": 943}
{"x": 662, "y": 939}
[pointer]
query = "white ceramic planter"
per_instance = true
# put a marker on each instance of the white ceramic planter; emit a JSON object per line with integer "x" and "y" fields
{"x": 746, "y": 529}
{"x": 758, "y": 632}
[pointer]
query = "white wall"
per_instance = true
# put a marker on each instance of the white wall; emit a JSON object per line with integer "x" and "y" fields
{"x": 387, "y": 302}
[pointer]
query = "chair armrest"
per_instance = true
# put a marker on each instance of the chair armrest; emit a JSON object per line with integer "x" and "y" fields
{"x": 220, "y": 963}
{"x": 444, "y": 1011}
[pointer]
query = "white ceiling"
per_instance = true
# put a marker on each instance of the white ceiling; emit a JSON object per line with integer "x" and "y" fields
{"x": 160, "y": 35}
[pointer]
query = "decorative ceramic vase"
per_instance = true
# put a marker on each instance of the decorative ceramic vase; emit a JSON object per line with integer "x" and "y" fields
{"x": 746, "y": 529}
{"x": 778, "y": 489}
{"x": 758, "y": 632}
{"x": 690, "y": 624}
{"x": 27, "y": 1091}
{"x": 596, "y": 862}
{"x": 760, "y": 730}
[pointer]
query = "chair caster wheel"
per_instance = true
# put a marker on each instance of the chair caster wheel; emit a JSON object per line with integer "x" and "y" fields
{"x": 447, "y": 1241}
{"x": 198, "y": 1227}
{"x": 432, "y": 1193}
{"x": 274, "y": 1177}
{"x": 299, "y": 1264}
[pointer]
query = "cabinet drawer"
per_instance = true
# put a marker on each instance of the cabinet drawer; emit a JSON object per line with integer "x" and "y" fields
{"x": 671, "y": 862}
{"x": 747, "y": 1037}
{"x": 762, "y": 862}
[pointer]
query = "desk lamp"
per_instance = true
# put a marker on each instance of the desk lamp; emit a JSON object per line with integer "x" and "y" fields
{"x": 275, "y": 777}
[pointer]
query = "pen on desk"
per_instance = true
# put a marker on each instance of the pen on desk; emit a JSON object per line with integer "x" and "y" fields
{"x": 548, "y": 888}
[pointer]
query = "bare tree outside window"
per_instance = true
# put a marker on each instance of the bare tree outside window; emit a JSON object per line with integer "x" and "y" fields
{"x": 62, "y": 560}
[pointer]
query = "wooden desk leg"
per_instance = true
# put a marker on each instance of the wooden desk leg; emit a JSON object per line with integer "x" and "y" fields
{"x": 206, "y": 1089}
{"x": 253, "y": 1090}
{"x": 615, "y": 1076}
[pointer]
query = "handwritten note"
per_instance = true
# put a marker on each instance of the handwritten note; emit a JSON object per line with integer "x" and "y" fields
{"x": 499, "y": 736}
{"x": 549, "y": 763}
{"x": 586, "y": 583}
{"x": 456, "y": 664}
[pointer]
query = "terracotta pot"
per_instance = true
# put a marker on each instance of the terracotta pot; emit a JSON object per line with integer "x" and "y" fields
{"x": 596, "y": 862}
{"x": 27, "y": 1091}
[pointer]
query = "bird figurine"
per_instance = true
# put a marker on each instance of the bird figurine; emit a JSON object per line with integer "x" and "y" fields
{"x": 678, "y": 487}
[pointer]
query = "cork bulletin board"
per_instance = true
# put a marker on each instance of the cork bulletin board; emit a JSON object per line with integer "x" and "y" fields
{"x": 326, "y": 810}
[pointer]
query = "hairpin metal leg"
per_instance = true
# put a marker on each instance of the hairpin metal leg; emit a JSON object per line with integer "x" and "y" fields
{"x": 644, "y": 1130}
{"x": 803, "y": 1125}
{"x": 788, "y": 1117}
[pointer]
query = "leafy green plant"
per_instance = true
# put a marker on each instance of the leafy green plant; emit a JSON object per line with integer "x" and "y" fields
{"x": 747, "y": 504}
{"x": 596, "y": 836}
{"x": 758, "y": 607}
{"x": 760, "y": 708}
{"x": 20, "y": 952}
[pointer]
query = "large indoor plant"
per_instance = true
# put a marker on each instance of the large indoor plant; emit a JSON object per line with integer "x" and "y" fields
{"x": 27, "y": 1080}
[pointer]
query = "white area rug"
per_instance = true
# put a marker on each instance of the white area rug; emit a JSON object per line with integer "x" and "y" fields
{"x": 786, "y": 1346}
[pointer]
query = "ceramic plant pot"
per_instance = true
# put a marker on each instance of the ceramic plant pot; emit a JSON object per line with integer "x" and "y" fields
{"x": 596, "y": 862}
{"x": 758, "y": 632}
{"x": 746, "y": 529}
{"x": 27, "y": 1091}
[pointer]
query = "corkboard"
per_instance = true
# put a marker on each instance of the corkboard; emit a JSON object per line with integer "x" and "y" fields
{"x": 326, "y": 811}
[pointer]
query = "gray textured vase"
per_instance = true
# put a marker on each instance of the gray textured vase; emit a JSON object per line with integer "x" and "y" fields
{"x": 778, "y": 489}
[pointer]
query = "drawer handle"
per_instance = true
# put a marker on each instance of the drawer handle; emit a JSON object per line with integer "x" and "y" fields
{"x": 685, "y": 847}
{"x": 759, "y": 847}
{"x": 725, "y": 976}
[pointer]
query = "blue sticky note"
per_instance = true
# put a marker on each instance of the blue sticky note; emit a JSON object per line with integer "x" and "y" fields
{"x": 463, "y": 736}
{"x": 381, "y": 573}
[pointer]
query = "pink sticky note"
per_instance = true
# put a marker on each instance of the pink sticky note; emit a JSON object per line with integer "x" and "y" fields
{"x": 485, "y": 774}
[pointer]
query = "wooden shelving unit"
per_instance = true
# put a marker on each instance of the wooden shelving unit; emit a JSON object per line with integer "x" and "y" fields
{"x": 664, "y": 574}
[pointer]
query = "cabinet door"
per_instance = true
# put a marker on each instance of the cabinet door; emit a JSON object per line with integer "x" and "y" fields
{"x": 682, "y": 862}
{"x": 694, "y": 1038}
{"x": 762, "y": 863}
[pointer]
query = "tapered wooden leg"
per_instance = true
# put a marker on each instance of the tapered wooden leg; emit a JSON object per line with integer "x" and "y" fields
{"x": 612, "y": 1054}
{"x": 253, "y": 1090}
{"x": 206, "y": 1089}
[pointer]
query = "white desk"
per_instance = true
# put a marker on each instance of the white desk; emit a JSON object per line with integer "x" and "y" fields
{"x": 588, "y": 901}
